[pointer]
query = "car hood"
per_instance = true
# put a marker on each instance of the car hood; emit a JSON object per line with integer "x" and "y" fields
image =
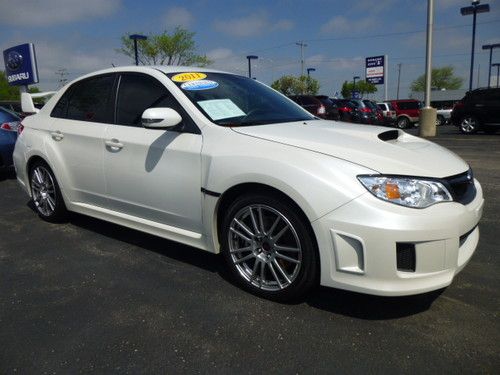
{"x": 384, "y": 150}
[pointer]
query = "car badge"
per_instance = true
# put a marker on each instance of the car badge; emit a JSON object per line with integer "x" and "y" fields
{"x": 14, "y": 60}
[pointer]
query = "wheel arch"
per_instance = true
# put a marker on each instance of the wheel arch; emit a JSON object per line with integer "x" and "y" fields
{"x": 235, "y": 191}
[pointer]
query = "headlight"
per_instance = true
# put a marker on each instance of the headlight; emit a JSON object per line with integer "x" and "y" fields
{"x": 406, "y": 191}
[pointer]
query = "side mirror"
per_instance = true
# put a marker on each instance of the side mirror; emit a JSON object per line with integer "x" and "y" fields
{"x": 160, "y": 118}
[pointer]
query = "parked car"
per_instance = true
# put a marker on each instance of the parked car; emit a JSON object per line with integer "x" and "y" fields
{"x": 332, "y": 111}
{"x": 347, "y": 110}
{"x": 311, "y": 104}
{"x": 388, "y": 112}
{"x": 478, "y": 110}
{"x": 407, "y": 112}
{"x": 443, "y": 116}
{"x": 376, "y": 110}
{"x": 365, "y": 113}
{"x": 9, "y": 123}
{"x": 223, "y": 163}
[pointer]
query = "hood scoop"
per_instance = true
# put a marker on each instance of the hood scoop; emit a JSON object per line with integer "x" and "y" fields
{"x": 388, "y": 135}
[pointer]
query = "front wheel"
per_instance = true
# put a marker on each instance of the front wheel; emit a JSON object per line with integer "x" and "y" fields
{"x": 403, "y": 123}
{"x": 440, "y": 120}
{"x": 46, "y": 194}
{"x": 469, "y": 125}
{"x": 268, "y": 248}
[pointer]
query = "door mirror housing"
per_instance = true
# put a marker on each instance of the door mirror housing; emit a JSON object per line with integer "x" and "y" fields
{"x": 160, "y": 118}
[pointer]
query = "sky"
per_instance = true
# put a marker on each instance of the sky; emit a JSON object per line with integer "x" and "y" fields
{"x": 83, "y": 36}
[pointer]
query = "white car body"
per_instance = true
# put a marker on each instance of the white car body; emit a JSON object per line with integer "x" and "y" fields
{"x": 171, "y": 184}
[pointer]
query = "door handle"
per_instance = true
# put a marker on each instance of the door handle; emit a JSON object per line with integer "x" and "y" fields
{"x": 57, "y": 135}
{"x": 114, "y": 144}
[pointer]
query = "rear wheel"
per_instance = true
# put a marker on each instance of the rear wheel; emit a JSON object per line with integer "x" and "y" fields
{"x": 403, "y": 123}
{"x": 469, "y": 124}
{"x": 440, "y": 120}
{"x": 46, "y": 194}
{"x": 268, "y": 248}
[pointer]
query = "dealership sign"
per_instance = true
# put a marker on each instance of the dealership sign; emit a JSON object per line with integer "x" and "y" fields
{"x": 375, "y": 70}
{"x": 20, "y": 64}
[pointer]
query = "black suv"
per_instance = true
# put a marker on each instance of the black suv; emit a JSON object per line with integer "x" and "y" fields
{"x": 478, "y": 109}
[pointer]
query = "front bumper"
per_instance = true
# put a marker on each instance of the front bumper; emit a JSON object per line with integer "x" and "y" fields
{"x": 358, "y": 245}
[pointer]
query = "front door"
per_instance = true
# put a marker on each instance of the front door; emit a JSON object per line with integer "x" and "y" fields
{"x": 152, "y": 174}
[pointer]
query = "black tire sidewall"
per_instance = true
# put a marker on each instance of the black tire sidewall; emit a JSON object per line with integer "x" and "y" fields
{"x": 404, "y": 123}
{"x": 309, "y": 273}
{"x": 60, "y": 212}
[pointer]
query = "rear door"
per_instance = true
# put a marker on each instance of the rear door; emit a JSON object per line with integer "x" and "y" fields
{"x": 154, "y": 174}
{"x": 75, "y": 145}
{"x": 491, "y": 101}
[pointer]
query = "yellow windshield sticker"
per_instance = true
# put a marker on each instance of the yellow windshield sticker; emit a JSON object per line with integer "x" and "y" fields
{"x": 191, "y": 76}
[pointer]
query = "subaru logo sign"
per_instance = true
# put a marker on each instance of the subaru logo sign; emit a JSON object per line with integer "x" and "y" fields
{"x": 20, "y": 65}
{"x": 14, "y": 60}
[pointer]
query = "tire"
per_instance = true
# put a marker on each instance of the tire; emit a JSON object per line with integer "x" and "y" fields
{"x": 469, "y": 124}
{"x": 268, "y": 248}
{"x": 440, "y": 120}
{"x": 403, "y": 123}
{"x": 45, "y": 193}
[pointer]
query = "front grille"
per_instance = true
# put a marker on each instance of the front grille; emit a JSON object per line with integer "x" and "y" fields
{"x": 405, "y": 257}
{"x": 461, "y": 187}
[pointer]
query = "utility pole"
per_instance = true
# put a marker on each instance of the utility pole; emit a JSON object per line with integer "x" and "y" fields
{"x": 62, "y": 73}
{"x": 399, "y": 77}
{"x": 302, "y": 45}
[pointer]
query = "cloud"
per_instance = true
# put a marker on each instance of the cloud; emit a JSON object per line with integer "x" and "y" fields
{"x": 253, "y": 24}
{"x": 53, "y": 12}
{"x": 341, "y": 25}
{"x": 178, "y": 16}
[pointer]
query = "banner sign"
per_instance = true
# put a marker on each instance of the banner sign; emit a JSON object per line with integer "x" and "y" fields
{"x": 375, "y": 70}
{"x": 20, "y": 65}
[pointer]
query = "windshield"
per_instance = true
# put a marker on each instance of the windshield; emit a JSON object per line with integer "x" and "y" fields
{"x": 232, "y": 100}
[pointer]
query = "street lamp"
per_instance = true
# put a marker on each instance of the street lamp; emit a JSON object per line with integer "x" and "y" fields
{"x": 491, "y": 47}
{"x": 474, "y": 9}
{"x": 354, "y": 84}
{"x": 251, "y": 57}
{"x": 309, "y": 70}
{"x": 135, "y": 38}
{"x": 498, "y": 70}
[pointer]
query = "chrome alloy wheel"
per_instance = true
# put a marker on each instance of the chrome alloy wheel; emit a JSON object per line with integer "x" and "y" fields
{"x": 468, "y": 124}
{"x": 43, "y": 190}
{"x": 264, "y": 247}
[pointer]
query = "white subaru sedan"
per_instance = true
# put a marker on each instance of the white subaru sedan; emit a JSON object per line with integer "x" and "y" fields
{"x": 223, "y": 163}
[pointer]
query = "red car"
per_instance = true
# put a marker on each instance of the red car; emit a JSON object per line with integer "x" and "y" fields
{"x": 407, "y": 112}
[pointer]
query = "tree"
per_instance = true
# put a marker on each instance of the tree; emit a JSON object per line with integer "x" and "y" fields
{"x": 177, "y": 48}
{"x": 8, "y": 92}
{"x": 441, "y": 78}
{"x": 362, "y": 86}
{"x": 291, "y": 85}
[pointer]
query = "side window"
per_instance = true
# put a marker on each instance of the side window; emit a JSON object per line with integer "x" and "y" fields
{"x": 61, "y": 108}
{"x": 138, "y": 92}
{"x": 91, "y": 100}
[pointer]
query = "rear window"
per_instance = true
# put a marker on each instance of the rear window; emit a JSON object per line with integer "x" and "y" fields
{"x": 308, "y": 100}
{"x": 409, "y": 105}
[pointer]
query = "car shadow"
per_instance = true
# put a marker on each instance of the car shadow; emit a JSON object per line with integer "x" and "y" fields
{"x": 369, "y": 307}
{"x": 7, "y": 174}
{"x": 336, "y": 301}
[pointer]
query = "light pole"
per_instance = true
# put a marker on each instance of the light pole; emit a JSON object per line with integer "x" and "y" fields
{"x": 251, "y": 57}
{"x": 498, "y": 70}
{"x": 135, "y": 38}
{"x": 354, "y": 84}
{"x": 309, "y": 70}
{"x": 427, "y": 118}
{"x": 491, "y": 47}
{"x": 474, "y": 9}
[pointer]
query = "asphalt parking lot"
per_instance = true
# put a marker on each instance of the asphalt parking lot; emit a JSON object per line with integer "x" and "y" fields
{"x": 90, "y": 296}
